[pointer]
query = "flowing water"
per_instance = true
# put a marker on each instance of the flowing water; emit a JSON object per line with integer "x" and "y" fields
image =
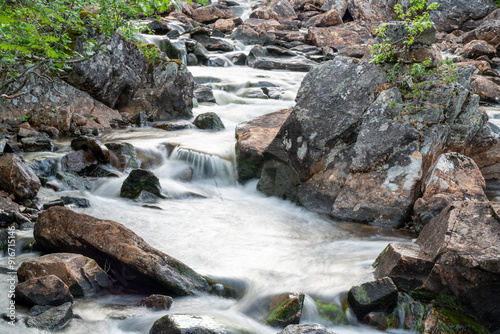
{"x": 220, "y": 228}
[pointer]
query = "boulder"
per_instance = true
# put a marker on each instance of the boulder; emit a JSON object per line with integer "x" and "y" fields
{"x": 489, "y": 31}
{"x": 52, "y": 319}
{"x": 37, "y": 144}
{"x": 224, "y": 25}
{"x": 453, "y": 177}
{"x": 459, "y": 258}
{"x": 209, "y": 121}
{"x": 353, "y": 154}
{"x": 306, "y": 329}
{"x": 285, "y": 309}
{"x": 93, "y": 145}
{"x": 129, "y": 258}
{"x": 138, "y": 181}
{"x": 370, "y": 11}
{"x": 123, "y": 156}
{"x": 437, "y": 318}
{"x": 44, "y": 290}
{"x": 376, "y": 296}
{"x": 113, "y": 75}
{"x": 174, "y": 125}
{"x": 81, "y": 274}
{"x": 157, "y": 302}
{"x": 54, "y": 104}
{"x": 74, "y": 181}
{"x": 16, "y": 178}
{"x": 252, "y": 139}
{"x": 261, "y": 58}
{"x": 214, "y": 43}
{"x": 78, "y": 161}
{"x": 212, "y": 13}
{"x": 189, "y": 323}
{"x": 475, "y": 49}
{"x": 167, "y": 95}
{"x": 328, "y": 19}
{"x": 334, "y": 37}
{"x": 486, "y": 88}
{"x": 246, "y": 35}
{"x": 463, "y": 12}
{"x": 280, "y": 10}
{"x": 204, "y": 93}
{"x": 80, "y": 202}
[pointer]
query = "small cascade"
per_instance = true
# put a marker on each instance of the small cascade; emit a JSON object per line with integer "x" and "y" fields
{"x": 173, "y": 48}
{"x": 207, "y": 165}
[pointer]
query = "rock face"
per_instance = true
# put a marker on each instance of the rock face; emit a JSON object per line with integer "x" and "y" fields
{"x": 82, "y": 275}
{"x": 464, "y": 11}
{"x": 354, "y": 153}
{"x": 453, "y": 177}
{"x": 45, "y": 290}
{"x": 113, "y": 75}
{"x": 168, "y": 94}
{"x": 252, "y": 138}
{"x": 129, "y": 258}
{"x": 456, "y": 254}
{"x": 17, "y": 178}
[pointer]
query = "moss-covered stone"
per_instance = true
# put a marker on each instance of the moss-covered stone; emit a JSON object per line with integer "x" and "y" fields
{"x": 285, "y": 309}
{"x": 332, "y": 312}
{"x": 446, "y": 321}
{"x": 138, "y": 181}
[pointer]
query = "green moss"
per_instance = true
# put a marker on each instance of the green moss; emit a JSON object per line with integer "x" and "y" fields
{"x": 285, "y": 314}
{"x": 379, "y": 257}
{"x": 165, "y": 325}
{"x": 335, "y": 313}
{"x": 359, "y": 293}
{"x": 453, "y": 322}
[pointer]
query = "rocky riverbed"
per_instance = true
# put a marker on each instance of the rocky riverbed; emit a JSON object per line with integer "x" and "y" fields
{"x": 148, "y": 216}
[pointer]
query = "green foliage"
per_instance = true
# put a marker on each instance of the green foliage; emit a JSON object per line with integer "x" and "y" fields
{"x": 151, "y": 52}
{"x": 38, "y": 35}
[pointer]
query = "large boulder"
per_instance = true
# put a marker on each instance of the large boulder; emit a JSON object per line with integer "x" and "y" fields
{"x": 52, "y": 319}
{"x": 81, "y": 274}
{"x": 45, "y": 290}
{"x": 113, "y": 75}
{"x": 129, "y": 258}
{"x": 167, "y": 95}
{"x": 212, "y": 13}
{"x": 453, "y": 177}
{"x": 274, "y": 9}
{"x": 456, "y": 254}
{"x": 349, "y": 150}
{"x": 17, "y": 178}
{"x": 376, "y": 296}
{"x": 138, "y": 181}
{"x": 460, "y": 14}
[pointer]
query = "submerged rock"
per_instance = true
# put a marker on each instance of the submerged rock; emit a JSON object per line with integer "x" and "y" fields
{"x": 306, "y": 329}
{"x": 157, "y": 302}
{"x": 123, "y": 156}
{"x": 209, "y": 121}
{"x": 52, "y": 319}
{"x": 129, "y": 258}
{"x": 188, "y": 323}
{"x": 285, "y": 309}
{"x": 17, "y": 178}
{"x": 81, "y": 274}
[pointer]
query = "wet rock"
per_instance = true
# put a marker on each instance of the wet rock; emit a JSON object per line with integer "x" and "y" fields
{"x": 174, "y": 125}
{"x": 332, "y": 312}
{"x": 214, "y": 43}
{"x": 486, "y": 88}
{"x": 99, "y": 76}
{"x": 53, "y": 319}
{"x": 103, "y": 171}
{"x": 81, "y": 274}
{"x": 246, "y": 35}
{"x": 415, "y": 313}
{"x": 37, "y": 144}
{"x": 93, "y": 145}
{"x": 74, "y": 181}
{"x": 192, "y": 60}
{"x": 140, "y": 180}
{"x": 157, "y": 302}
{"x": 44, "y": 167}
{"x": 131, "y": 260}
{"x": 453, "y": 177}
{"x": 8, "y": 209}
{"x": 380, "y": 320}
{"x": 80, "y": 202}
{"x": 274, "y": 9}
{"x": 224, "y": 25}
{"x": 168, "y": 94}
{"x": 376, "y": 296}
{"x": 16, "y": 178}
{"x": 204, "y": 94}
{"x": 306, "y": 329}
{"x": 212, "y": 13}
{"x": 78, "y": 161}
{"x": 185, "y": 175}
{"x": 45, "y": 290}
{"x": 454, "y": 322}
{"x": 285, "y": 309}
{"x": 463, "y": 11}
{"x": 188, "y": 323}
{"x": 209, "y": 121}
{"x": 50, "y": 204}
{"x": 252, "y": 139}
{"x": 262, "y": 59}
{"x": 123, "y": 156}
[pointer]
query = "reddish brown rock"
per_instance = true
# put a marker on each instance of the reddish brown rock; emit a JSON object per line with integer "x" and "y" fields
{"x": 45, "y": 290}
{"x": 16, "y": 178}
{"x": 333, "y": 37}
{"x": 486, "y": 88}
{"x": 453, "y": 177}
{"x": 99, "y": 150}
{"x": 157, "y": 302}
{"x": 78, "y": 161}
{"x": 328, "y": 19}
{"x": 130, "y": 259}
{"x": 224, "y": 25}
{"x": 476, "y": 49}
{"x": 252, "y": 138}
{"x": 279, "y": 10}
{"x": 489, "y": 31}
{"x": 81, "y": 274}
{"x": 285, "y": 309}
{"x": 211, "y": 13}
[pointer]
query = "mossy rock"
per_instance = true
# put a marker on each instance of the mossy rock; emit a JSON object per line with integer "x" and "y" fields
{"x": 138, "y": 181}
{"x": 332, "y": 312}
{"x": 445, "y": 321}
{"x": 285, "y": 309}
